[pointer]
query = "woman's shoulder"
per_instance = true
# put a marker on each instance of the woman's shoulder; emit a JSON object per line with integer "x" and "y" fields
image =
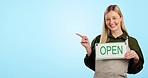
{"x": 132, "y": 40}
{"x": 98, "y": 36}
{"x": 97, "y": 39}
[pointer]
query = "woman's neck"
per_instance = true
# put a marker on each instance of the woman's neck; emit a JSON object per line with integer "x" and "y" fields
{"x": 117, "y": 33}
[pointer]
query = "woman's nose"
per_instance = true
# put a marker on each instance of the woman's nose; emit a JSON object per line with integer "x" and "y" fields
{"x": 111, "y": 21}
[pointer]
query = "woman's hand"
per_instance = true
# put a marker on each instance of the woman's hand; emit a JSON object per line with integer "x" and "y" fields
{"x": 85, "y": 42}
{"x": 132, "y": 54}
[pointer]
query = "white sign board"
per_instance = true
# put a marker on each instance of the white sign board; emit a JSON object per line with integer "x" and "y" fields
{"x": 110, "y": 50}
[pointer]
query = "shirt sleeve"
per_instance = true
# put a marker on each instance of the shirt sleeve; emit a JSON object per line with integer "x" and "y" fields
{"x": 90, "y": 60}
{"x": 135, "y": 68}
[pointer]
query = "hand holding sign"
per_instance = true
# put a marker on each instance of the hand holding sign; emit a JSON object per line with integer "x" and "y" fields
{"x": 132, "y": 54}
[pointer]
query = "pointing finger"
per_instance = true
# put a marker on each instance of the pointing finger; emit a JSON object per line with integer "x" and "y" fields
{"x": 79, "y": 35}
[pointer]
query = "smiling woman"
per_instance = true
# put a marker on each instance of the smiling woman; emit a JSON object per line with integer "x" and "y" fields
{"x": 37, "y": 37}
{"x": 113, "y": 21}
{"x": 113, "y": 31}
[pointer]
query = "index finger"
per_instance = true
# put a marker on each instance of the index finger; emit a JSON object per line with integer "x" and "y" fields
{"x": 79, "y": 35}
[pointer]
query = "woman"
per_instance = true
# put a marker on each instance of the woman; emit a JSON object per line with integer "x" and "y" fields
{"x": 113, "y": 31}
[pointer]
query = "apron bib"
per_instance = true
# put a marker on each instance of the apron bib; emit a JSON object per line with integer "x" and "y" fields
{"x": 111, "y": 68}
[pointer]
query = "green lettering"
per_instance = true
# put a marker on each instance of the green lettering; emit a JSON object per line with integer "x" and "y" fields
{"x": 108, "y": 49}
{"x": 114, "y": 49}
{"x": 120, "y": 48}
{"x": 102, "y": 49}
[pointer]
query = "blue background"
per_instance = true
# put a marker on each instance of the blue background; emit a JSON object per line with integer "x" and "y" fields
{"x": 37, "y": 37}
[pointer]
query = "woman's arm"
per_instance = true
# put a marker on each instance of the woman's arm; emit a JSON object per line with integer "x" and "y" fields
{"x": 89, "y": 60}
{"x": 137, "y": 61}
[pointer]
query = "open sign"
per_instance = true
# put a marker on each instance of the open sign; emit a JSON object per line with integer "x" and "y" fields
{"x": 111, "y": 50}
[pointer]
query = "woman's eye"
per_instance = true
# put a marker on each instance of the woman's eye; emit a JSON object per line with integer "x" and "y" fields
{"x": 114, "y": 18}
{"x": 107, "y": 19}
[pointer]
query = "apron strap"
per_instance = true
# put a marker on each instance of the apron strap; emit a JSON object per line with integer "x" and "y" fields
{"x": 126, "y": 42}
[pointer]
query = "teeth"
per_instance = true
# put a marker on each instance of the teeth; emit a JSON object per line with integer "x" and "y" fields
{"x": 112, "y": 26}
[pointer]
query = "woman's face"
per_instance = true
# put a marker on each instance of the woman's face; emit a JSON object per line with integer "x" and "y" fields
{"x": 113, "y": 20}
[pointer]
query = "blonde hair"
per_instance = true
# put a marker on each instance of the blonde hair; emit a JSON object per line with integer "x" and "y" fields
{"x": 105, "y": 30}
